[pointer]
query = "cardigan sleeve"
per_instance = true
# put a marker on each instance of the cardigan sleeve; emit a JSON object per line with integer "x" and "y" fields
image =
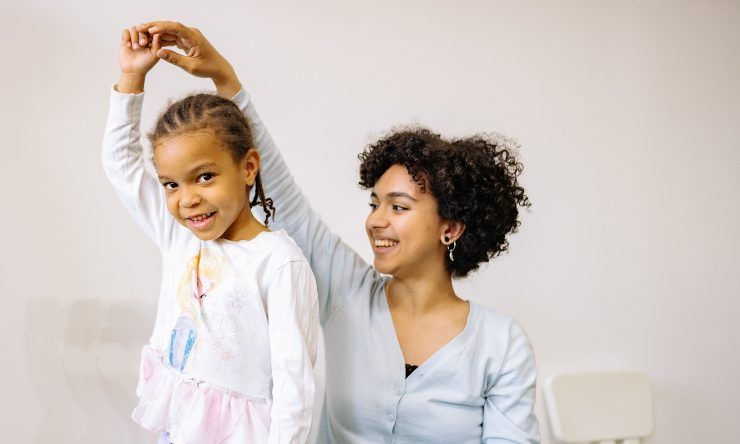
{"x": 339, "y": 270}
{"x": 124, "y": 164}
{"x": 508, "y": 412}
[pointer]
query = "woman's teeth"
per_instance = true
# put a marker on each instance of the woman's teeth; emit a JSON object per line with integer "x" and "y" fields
{"x": 385, "y": 243}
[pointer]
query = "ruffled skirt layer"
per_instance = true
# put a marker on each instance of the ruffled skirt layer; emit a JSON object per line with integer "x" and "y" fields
{"x": 195, "y": 412}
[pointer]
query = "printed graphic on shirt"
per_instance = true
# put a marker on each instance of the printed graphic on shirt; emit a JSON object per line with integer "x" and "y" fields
{"x": 199, "y": 279}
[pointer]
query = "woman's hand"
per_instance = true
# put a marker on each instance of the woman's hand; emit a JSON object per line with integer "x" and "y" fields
{"x": 200, "y": 58}
{"x": 136, "y": 57}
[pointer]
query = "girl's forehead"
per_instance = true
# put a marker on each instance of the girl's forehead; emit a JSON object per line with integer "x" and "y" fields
{"x": 191, "y": 146}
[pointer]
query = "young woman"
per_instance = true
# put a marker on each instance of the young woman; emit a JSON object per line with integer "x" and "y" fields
{"x": 407, "y": 359}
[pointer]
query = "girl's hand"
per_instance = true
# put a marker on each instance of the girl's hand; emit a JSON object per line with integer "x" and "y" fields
{"x": 137, "y": 55}
{"x": 200, "y": 59}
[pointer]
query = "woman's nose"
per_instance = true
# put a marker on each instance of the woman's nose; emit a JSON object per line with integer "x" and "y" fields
{"x": 377, "y": 218}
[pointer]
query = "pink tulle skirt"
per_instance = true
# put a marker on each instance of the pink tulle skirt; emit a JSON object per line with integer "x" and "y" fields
{"x": 195, "y": 412}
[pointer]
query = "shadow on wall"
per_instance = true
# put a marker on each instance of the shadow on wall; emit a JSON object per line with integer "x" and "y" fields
{"x": 83, "y": 364}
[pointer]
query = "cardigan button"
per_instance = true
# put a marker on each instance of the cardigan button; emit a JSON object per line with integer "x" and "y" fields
{"x": 391, "y": 418}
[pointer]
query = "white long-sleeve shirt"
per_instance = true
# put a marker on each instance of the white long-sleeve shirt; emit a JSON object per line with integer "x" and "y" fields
{"x": 232, "y": 352}
{"x": 480, "y": 387}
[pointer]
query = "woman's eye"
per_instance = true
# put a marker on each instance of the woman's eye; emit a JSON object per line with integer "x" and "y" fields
{"x": 205, "y": 177}
{"x": 169, "y": 186}
{"x": 373, "y": 206}
{"x": 398, "y": 208}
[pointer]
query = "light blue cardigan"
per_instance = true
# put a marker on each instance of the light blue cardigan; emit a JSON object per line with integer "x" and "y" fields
{"x": 480, "y": 387}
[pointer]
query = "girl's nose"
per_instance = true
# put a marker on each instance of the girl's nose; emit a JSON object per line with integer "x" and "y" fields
{"x": 189, "y": 197}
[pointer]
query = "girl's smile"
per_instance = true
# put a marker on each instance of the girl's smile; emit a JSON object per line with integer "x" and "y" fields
{"x": 201, "y": 221}
{"x": 207, "y": 190}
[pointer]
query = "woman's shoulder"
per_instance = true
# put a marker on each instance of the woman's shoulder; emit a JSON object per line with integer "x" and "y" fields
{"x": 495, "y": 326}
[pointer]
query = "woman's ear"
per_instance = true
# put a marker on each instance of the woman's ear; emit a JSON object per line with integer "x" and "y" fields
{"x": 452, "y": 230}
{"x": 251, "y": 166}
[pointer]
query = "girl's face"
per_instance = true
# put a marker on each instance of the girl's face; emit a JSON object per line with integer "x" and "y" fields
{"x": 404, "y": 227}
{"x": 207, "y": 191}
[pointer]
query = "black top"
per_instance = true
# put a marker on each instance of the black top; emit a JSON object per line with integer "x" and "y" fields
{"x": 410, "y": 369}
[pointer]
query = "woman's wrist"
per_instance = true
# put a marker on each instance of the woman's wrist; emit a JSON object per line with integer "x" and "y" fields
{"x": 227, "y": 83}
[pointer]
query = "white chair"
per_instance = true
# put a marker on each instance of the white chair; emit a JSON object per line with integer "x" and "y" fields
{"x": 606, "y": 408}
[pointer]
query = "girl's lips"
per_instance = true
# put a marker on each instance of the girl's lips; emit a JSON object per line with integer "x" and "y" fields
{"x": 201, "y": 222}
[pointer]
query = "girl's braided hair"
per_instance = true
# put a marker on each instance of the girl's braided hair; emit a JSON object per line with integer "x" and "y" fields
{"x": 223, "y": 118}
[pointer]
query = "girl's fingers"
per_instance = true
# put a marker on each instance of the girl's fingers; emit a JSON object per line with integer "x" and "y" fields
{"x": 126, "y": 38}
{"x": 134, "y": 37}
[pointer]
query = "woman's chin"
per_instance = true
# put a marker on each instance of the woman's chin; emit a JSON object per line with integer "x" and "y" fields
{"x": 383, "y": 266}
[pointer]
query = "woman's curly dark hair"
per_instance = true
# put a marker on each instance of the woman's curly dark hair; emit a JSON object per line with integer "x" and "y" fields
{"x": 474, "y": 181}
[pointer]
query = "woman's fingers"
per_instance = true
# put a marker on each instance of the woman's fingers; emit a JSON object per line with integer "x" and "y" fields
{"x": 170, "y": 38}
{"x": 156, "y": 43}
{"x": 176, "y": 59}
{"x": 174, "y": 28}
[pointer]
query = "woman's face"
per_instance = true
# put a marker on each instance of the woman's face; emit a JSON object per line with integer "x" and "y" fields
{"x": 403, "y": 226}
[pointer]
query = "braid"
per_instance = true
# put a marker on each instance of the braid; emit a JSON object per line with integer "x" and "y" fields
{"x": 198, "y": 112}
{"x": 259, "y": 198}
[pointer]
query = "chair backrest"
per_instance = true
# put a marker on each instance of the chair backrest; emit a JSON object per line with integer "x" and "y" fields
{"x": 599, "y": 407}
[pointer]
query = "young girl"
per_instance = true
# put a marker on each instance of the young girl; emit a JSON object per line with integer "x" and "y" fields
{"x": 407, "y": 359}
{"x": 232, "y": 353}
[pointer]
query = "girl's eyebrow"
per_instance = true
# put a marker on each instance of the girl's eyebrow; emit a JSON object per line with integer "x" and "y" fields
{"x": 394, "y": 194}
{"x": 204, "y": 166}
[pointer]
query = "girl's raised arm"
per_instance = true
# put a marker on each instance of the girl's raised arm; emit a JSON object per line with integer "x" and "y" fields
{"x": 123, "y": 155}
{"x": 339, "y": 270}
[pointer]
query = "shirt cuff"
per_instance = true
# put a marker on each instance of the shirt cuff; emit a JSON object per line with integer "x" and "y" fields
{"x": 127, "y": 106}
{"x": 241, "y": 98}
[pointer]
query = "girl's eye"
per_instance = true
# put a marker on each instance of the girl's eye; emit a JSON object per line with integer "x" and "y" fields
{"x": 205, "y": 177}
{"x": 169, "y": 186}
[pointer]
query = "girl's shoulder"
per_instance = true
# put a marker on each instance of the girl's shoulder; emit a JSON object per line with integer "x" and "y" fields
{"x": 282, "y": 247}
{"x": 273, "y": 250}
{"x": 272, "y": 246}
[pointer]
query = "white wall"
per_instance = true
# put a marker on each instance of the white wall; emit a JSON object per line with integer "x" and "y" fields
{"x": 627, "y": 111}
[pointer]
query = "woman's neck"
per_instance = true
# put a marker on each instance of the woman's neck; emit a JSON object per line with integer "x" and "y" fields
{"x": 422, "y": 295}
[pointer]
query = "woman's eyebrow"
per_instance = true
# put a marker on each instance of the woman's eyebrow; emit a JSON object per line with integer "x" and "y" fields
{"x": 395, "y": 194}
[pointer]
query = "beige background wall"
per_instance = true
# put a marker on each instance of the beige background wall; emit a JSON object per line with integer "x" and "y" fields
{"x": 627, "y": 112}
